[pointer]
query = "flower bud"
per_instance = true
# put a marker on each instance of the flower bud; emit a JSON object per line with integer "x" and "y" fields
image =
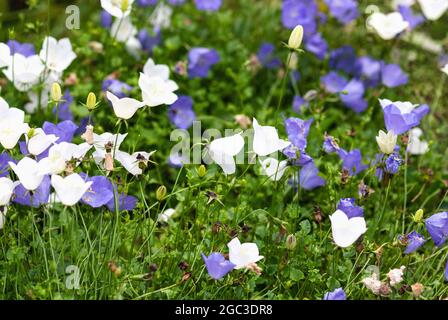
{"x": 88, "y": 134}
{"x": 296, "y": 37}
{"x": 291, "y": 242}
{"x": 293, "y": 61}
{"x": 91, "y": 101}
{"x": 108, "y": 162}
{"x": 56, "y": 94}
{"x": 202, "y": 171}
{"x": 161, "y": 193}
{"x": 386, "y": 142}
{"x": 124, "y": 5}
{"x": 418, "y": 216}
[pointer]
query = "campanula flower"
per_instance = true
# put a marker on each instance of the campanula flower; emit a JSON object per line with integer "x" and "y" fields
{"x": 70, "y": 189}
{"x": 370, "y": 70}
{"x": 208, "y": 5}
{"x": 415, "y": 145}
{"x": 181, "y": 113}
{"x": 333, "y": 82}
{"x": 347, "y": 205}
{"x": 298, "y": 130}
{"x": 106, "y": 19}
{"x": 273, "y": 168}
{"x": 343, "y": 58}
{"x": 392, "y": 76}
{"x": 433, "y": 9}
{"x": 352, "y": 161}
{"x": 30, "y": 172}
{"x": 200, "y": 60}
{"x": 134, "y": 163}
{"x": 266, "y": 56}
{"x": 346, "y": 230}
{"x": 125, "y": 202}
{"x": 222, "y": 151}
{"x": 402, "y": 116}
{"x": 117, "y": 8}
{"x": 117, "y": 87}
{"x": 437, "y": 226}
{"x": 266, "y": 140}
{"x": 64, "y": 130}
{"x": 243, "y": 254}
{"x": 317, "y": 45}
{"x": 309, "y": 178}
{"x": 57, "y": 54}
{"x": 25, "y": 49}
{"x": 353, "y": 96}
{"x": 387, "y": 26}
{"x": 413, "y": 241}
{"x": 26, "y": 71}
{"x": 386, "y": 142}
{"x": 299, "y": 103}
{"x": 393, "y": 163}
{"x": 337, "y": 294}
{"x": 100, "y": 191}
{"x": 39, "y": 196}
{"x": 217, "y": 266}
{"x": 39, "y": 141}
{"x": 344, "y": 11}
{"x": 330, "y": 145}
{"x": 149, "y": 41}
{"x": 408, "y": 15}
{"x": 6, "y": 190}
{"x": 300, "y": 12}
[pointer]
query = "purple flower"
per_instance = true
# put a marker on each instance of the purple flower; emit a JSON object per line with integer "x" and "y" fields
{"x": 413, "y": 240}
{"x": 333, "y": 82}
{"x": 65, "y": 130}
{"x": 330, "y": 145}
{"x": 266, "y": 56}
{"x": 176, "y": 2}
{"x": 337, "y": 294}
{"x": 181, "y": 112}
{"x": 217, "y": 266}
{"x": 26, "y": 49}
{"x": 343, "y": 59}
{"x": 297, "y": 130}
{"x": 437, "y": 226}
{"x": 393, "y": 163}
{"x": 99, "y": 193}
{"x": 82, "y": 126}
{"x": 347, "y": 205}
{"x": 146, "y": 3}
{"x": 148, "y": 41}
{"x": 118, "y": 88}
{"x": 208, "y": 5}
{"x": 38, "y": 197}
{"x": 352, "y": 161}
{"x": 177, "y": 160}
{"x": 4, "y": 166}
{"x": 300, "y": 157}
{"x": 200, "y": 60}
{"x": 106, "y": 19}
{"x": 317, "y": 45}
{"x": 344, "y": 11}
{"x": 63, "y": 108}
{"x": 446, "y": 271}
{"x": 353, "y": 98}
{"x": 301, "y": 12}
{"x": 299, "y": 103}
{"x": 370, "y": 70}
{"x": 402, "y": 116}
{"x": 125, "y": 202}
{"x": 309, "y": 178}
{"x": 409, "y": 16}
{"x": 392, "y": 76}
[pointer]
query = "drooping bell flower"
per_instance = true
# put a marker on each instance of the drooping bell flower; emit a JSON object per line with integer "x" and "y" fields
{"x": 437, "y": 226}
{"x": 217, "y": 266}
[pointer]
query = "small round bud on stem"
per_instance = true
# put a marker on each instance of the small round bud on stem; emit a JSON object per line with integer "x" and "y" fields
{"x": 91, "y": 101}
{"x": 296, "y": 37}
{"x": 291, "y": 242}
{"x": 418, "y": 216}
{"x": 161, "y": 193}
{"x": 56, "y": 93}
{"x": 202, "y": 171}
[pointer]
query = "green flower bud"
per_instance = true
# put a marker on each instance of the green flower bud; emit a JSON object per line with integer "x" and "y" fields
{"x": 91, "y": 101}
{"x": 291, "y": 242}
{"x": 418, "y": 215}
{"x": 296, "y": 37}
{"x": 202, "y": 171}
{"x": 56, "y": 93}
{"x": 124, "y": 5}
{"x": 161, "y": 193}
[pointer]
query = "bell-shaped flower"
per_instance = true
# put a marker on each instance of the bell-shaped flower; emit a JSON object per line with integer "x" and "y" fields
{"x": 124, "y": 108}
{"x": 309, "y": 178}
{"x": 388, "y": 26}
{"x": 70, "y": 189}
{"x": 12, "y": 126}
{"x": 100, "y": 192}
{"x": 222, "y": 151}
{"x": 386, "y": 142}
{"x": 217, "y": 266}
{"x": 104, "y": 143}
{"x": 157, "y": 91}
{"x": 266, "y": 140}
{"x": 5, "y": 55}
{"x": 415, "y": 145}
{"x": 6, "y": 189}
{"x": 60, "y": 154}
{"x": 273, "y": 168}
{"x": 242, "y": 255}
{"x": 117, "y": 8}
{"x": 25, "y": 71}
{"x": 413, "y": 241}
{"x": 337, "y": 294}
{"x": 57, "y": 55}
{"x": 123, "y": 30}
{"x": 347, "y": 205}
{"x": 167, "y": 214}
{"x": 30, "y": 172}
{"x": 433, "y": 9}
{"x": 402, "y": 116}
{"x": 40, "y": 141}
{"x": 437, "y": 226}
{"x": 346, "y": 231}
{"x": 38, "y": 197}
{"x": 134, "y": 163}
